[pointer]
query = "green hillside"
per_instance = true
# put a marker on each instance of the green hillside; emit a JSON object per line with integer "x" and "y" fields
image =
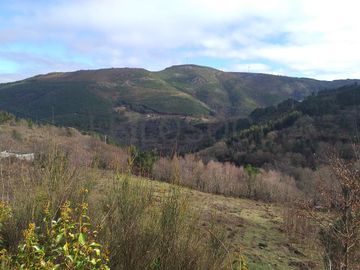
{"x": 151, "y": 109}
{"x": 295, "y": 135}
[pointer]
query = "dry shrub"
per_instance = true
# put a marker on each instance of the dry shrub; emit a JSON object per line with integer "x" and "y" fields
{"x": 275, "y": 186}
{"x": 163, "y": 170}
{"x": 51, "y": 180}
{"x": 82, "y": 150}
{"x": 108, "y": 156}
{"x": 146, "y": 231}
{"x": 226, "y": 179}
{"x": 141, "y": 229}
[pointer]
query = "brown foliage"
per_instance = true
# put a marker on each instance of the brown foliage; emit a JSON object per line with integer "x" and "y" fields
{"x": 225, "y": 178}
{"x": 341, "y": 226}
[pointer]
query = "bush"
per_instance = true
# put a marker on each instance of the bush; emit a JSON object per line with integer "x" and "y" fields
{"x": 65, "y": 243}
{"x": 147, "y": 231}
{"x": 51, "y": 179}
{"x": 6, "y": 117}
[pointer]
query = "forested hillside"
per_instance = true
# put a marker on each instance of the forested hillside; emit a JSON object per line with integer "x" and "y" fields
{"x": 181, "y": 107}
{"x": 296, "y": 134}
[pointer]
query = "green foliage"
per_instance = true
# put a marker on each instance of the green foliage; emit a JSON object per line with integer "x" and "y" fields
{"x": 257, "y": 132}
{"x": 251, "y": 170}
{"x": 142, "y": 162}
{"x": 295, "y": 135}
{"x": 240, "y": 264}
{"x": 6, "y": 117}
{"x": 65, "y": 243}
{"x": 71, "y": 103}
{"x": 5, "y": 215}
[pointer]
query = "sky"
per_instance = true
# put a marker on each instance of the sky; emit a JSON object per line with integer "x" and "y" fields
{"x": 302, "y": 38}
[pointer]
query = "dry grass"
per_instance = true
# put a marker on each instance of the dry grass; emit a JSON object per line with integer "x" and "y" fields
{"x": 255, "y": 229}
{"x": 145, "y": 221}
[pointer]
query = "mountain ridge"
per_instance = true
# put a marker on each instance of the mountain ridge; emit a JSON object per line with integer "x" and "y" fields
{"x": 149, "y": 108}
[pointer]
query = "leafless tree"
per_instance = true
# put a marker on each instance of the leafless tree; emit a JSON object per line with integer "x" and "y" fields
{"x": 341, "y": 224}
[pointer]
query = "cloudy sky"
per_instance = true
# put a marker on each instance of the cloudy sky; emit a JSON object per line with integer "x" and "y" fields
{"x": 304, "y": 38}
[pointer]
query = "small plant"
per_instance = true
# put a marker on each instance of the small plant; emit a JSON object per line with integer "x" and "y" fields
{"x": 65, "y": 243}
{"x": 6, "y": 117}
{"x": 30, "y": 123}
{"x": 5, "y": 214}
{"x": 240, "y": 264}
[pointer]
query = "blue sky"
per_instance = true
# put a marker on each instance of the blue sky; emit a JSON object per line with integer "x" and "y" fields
{"x": 304, "y": 38}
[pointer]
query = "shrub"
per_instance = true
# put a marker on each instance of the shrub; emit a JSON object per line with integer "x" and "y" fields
{"x": 52, "y": 179}
{"x": 146, "y": 231}
{"x": 65, "y": 243}
{"x": 6, "y": 117}
{"x": 142, "y": 163}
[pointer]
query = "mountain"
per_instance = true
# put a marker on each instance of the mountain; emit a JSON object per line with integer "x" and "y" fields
{"x": 152, "y": 109}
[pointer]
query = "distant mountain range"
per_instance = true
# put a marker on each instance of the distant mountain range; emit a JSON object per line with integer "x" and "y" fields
{"x": 145, "y": 108}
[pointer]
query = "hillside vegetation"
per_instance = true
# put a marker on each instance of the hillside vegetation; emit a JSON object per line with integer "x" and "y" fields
{"x": 151, "y": 109}
{"x": 296, "y": 134}
{"x": 160, "y": 220}
{"x": 140, "y": 223}
{"x": 281, "y": 186}
{"x": 163, "y": 220}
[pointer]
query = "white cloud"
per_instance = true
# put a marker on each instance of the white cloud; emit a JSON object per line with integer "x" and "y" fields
{"x": 318, "y": 38}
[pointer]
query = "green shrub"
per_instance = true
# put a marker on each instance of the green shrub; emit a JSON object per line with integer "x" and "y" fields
{"x": 65, "y": 243}
{"x": 6, "y": 117}
{"x": 142, "y": 162}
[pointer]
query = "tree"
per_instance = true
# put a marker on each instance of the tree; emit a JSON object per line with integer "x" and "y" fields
{"x": 142, "y": 162}
{"x": 340, "y": 232}
{"x": 252, "y": 173}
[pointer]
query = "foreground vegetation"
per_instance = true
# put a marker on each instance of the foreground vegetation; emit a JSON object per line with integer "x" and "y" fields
{"x": 136, "y": 228}
{"x": 143, "y": 224}
{"x": 80, "y": 205}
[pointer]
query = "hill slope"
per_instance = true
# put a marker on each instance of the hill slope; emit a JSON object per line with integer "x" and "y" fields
{"x": 254, "y": 229}
{"x": 296, "y": 134}
{"x": 150, "y": 109}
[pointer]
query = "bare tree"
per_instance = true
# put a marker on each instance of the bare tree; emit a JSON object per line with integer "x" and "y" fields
{"x": 340, "y": 231}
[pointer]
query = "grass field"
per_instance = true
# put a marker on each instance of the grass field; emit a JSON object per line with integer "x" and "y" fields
{"x": 254, "y": 229}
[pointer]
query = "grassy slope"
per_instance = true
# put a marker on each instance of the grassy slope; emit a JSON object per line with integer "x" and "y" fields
{"x": 249, "y": 223}
{"x": 237, "y": 94}
{"x": 66, "y": 100}
{"x": 181, "y": 90}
